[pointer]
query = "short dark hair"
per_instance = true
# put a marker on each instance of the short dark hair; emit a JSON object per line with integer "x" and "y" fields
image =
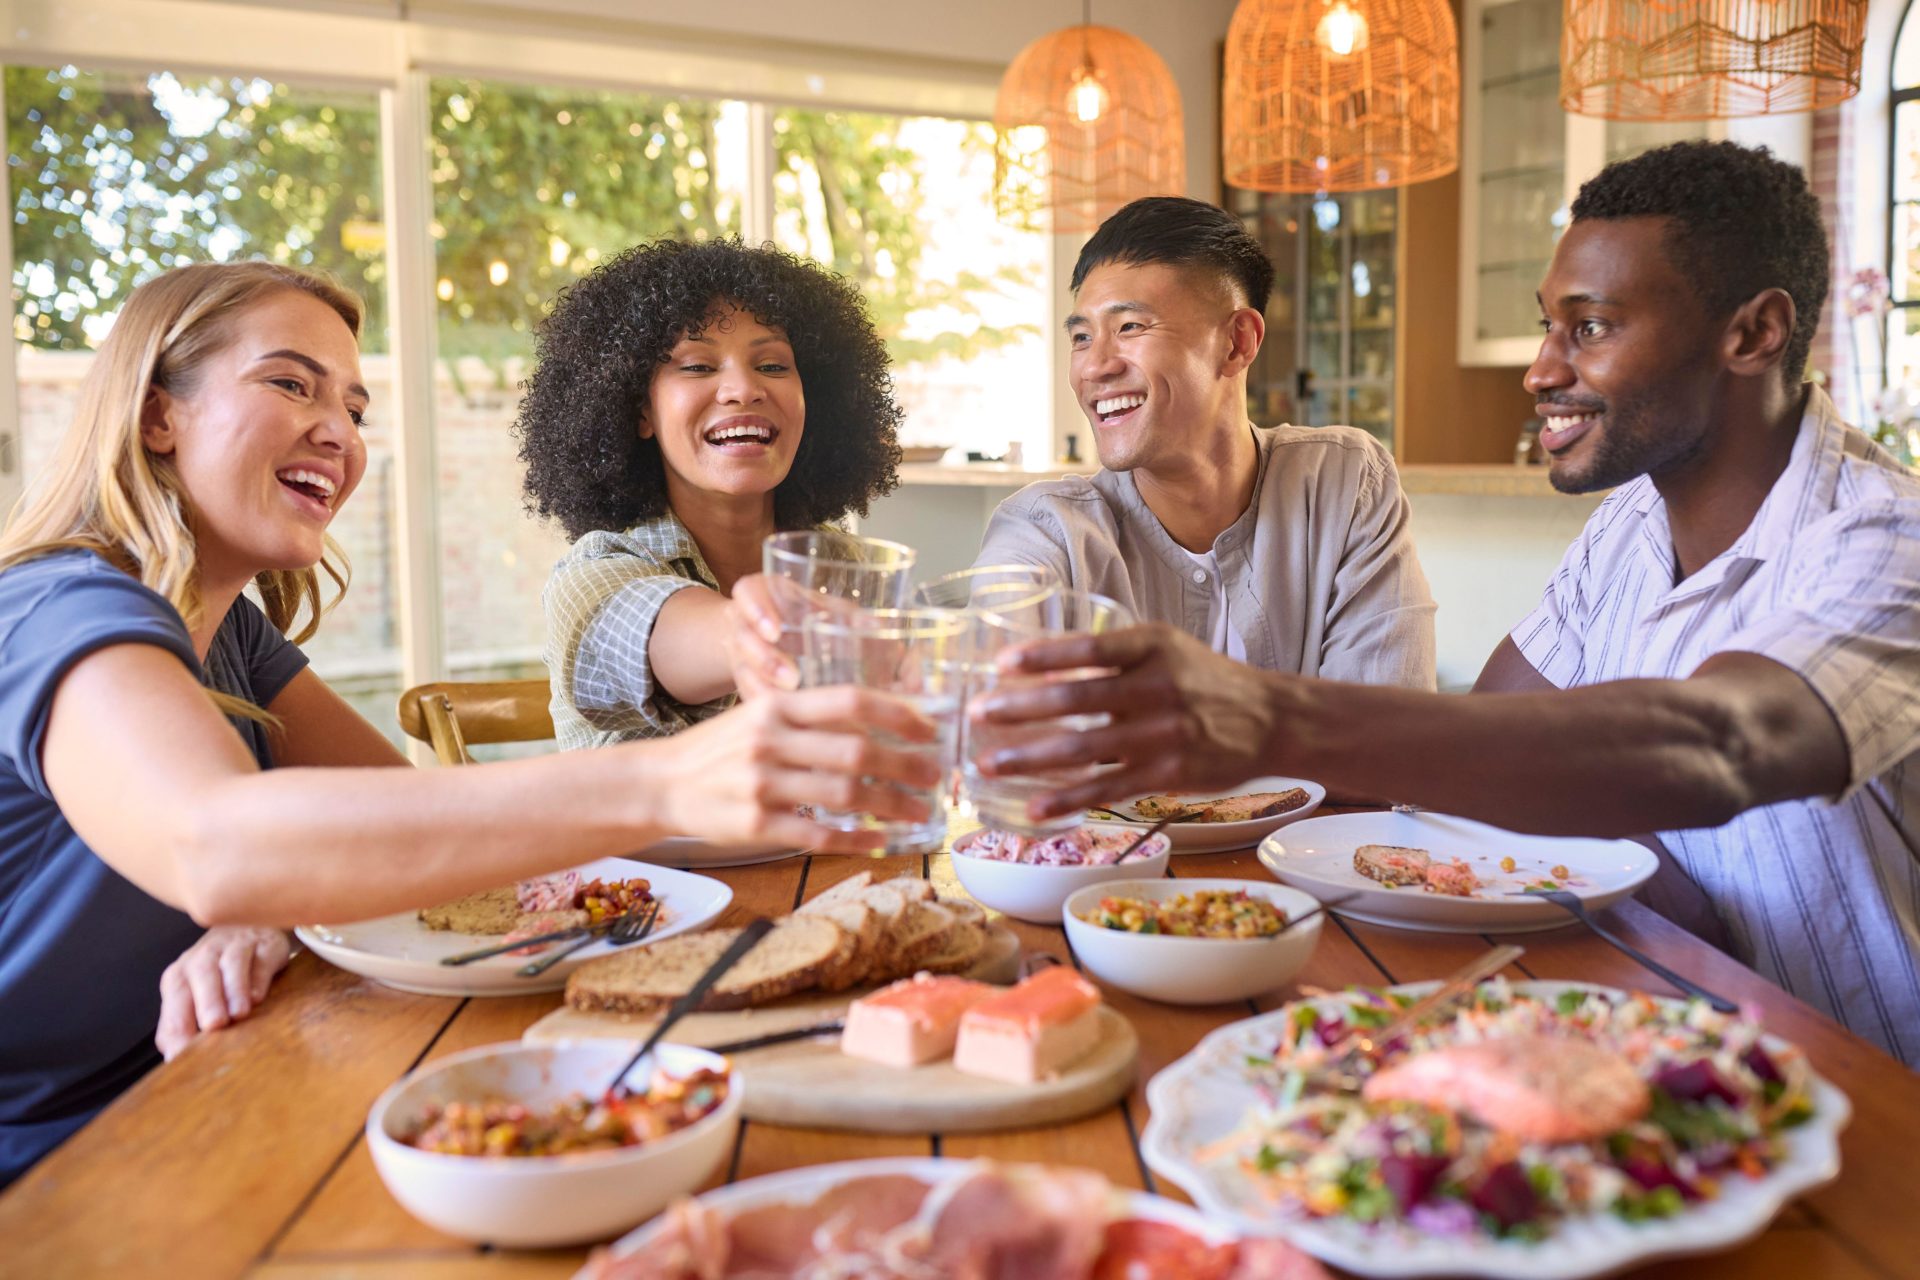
{"x": 1742, "y": 221}
{"x": 578, "y": 425}
{"x": 1182, "y": 233}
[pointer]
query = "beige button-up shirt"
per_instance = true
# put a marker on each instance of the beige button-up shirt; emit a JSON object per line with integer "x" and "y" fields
{"x": 1319, "y": 571}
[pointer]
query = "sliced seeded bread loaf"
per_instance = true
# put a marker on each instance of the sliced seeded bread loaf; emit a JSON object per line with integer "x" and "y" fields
{"x": 962, "y": 949}
{"x": 848, "y": 890}
{"x": 912, "y": 888}
{"x": 646, "y": 979}
{"x": 1392, "y": 864}
{"x": 922, "y": 932}
{"x": 862, "y": 924}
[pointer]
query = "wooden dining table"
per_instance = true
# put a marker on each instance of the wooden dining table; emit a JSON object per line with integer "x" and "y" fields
{"x": 245, "y": 1155}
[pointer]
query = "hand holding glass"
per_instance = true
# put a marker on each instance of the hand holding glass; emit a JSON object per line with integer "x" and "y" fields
{"x": 917, "y": 654}
{"x": 1002, "y": 801}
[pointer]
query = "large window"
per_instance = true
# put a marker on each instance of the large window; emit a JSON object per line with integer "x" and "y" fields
{"x": 533, "y": 188}
{"x": 118, "y": 176}
{"x": 903, "y": 206}
{"x": 1903, "y": 221}
{"x": 529, "y": 181}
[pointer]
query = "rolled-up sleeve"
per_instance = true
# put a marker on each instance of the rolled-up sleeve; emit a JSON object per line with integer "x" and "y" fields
{"x": 1379, "y": 626}
{"x": 1849, "y": 625}
{"x": 601, "y": 611}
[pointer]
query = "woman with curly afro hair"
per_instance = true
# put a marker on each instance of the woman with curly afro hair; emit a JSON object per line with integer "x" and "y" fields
{"x": 688, "y": 401}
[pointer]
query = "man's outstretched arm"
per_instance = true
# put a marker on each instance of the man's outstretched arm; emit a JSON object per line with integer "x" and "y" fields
{"x": 1619, "y": 758}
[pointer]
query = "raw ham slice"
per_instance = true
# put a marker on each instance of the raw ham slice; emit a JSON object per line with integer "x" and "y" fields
{"x": 1046, "y": 1226}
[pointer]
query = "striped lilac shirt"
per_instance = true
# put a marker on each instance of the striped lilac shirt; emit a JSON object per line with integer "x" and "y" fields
{"x": 1822, "y": 896}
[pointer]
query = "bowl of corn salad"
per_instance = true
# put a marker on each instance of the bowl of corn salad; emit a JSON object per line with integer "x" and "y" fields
{"x": 519, "y": 1145}
{"x": 1191, "y": 941}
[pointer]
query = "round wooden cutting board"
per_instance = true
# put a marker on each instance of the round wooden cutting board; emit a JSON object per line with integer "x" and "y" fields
{"x": 811, "y": 1084}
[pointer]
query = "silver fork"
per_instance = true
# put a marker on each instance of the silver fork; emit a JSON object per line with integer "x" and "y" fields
{"x": 1571, "y": 904}
{"x": 631, "y": 927}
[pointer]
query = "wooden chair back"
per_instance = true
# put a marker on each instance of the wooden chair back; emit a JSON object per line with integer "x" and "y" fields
{"x": 450, "y": 714}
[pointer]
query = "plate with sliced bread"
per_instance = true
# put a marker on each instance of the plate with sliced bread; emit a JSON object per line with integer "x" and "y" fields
{"x": 1216, "y": 821}
{"x": 805, "y": 975}
{"x": 1444, "y": 874}
{"x": 405, "y": 950}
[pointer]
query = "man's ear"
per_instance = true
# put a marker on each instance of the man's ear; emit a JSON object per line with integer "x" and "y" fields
{"x": 1246, "y": 330}
{"x": 1758, "y": 335}
{"x": 156, "y": 421}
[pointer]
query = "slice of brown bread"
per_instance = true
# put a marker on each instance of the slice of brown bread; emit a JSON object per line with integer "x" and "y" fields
{"x": 862, "y": 924}
{"x": 848, "y": 890}
{"x": 646, "y": 979}
{"x": 923, "y": 931}
{"x": 961, "y": 952}
{"x": 912, "y": 888}
{"x": 1256, "y": 804}
{"x": 892, "y": 909}
{"x": 969, "y": 911}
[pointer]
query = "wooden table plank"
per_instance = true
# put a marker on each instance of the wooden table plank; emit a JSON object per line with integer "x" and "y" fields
{"x": 195, "y": 1169}
{"x": 311, "y": 1062}
{"x": 352, "y": 1212}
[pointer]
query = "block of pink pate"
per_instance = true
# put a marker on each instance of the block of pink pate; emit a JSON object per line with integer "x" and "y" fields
{"x": 911, "y": 1022}
{"x": 1031, "y": 1032}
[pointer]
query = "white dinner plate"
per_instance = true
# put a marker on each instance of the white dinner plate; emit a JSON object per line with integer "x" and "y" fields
{"x": 1318, "y": 856}
{"x": 399, "y": 951}
{"x": 803, "y": 1185}
{"x": 687, "y": 851}
{"x": 1202, "y": 1098}
{"x": 1218, "y": 837}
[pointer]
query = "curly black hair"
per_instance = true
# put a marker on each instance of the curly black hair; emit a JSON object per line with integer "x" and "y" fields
{"x": 1742, "y": 222}
{"x": 587, "y": 466}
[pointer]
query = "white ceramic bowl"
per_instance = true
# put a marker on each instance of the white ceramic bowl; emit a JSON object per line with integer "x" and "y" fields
{"x": 1036, "y": 893}
{"x": 1191, "y": 970}
{"x": 540, "y": 1201}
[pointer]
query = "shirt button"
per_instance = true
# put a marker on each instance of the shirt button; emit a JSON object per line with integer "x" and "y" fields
{"x": 1199, "y": 575}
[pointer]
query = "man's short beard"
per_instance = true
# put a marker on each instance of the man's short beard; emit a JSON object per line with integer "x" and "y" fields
{"x": 1628, "y": 447}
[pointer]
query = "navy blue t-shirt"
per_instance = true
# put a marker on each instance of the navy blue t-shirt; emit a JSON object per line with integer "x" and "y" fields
{"x": 81, "y": 947}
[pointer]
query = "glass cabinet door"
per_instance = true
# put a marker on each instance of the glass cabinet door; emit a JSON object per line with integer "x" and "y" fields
{"x": 1519, "y": 184}
{"x": 1329, "y": 353}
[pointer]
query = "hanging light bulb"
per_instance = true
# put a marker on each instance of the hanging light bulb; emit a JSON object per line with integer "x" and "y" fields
{"x": 1088, "y": 98}
{"x": 1342, "y": 30}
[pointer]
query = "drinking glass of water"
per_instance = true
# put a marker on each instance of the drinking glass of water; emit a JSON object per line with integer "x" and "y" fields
{"x": 1001, "y": 802}
{"x": 917, "y": 654}
{"x": 826, "y": 571}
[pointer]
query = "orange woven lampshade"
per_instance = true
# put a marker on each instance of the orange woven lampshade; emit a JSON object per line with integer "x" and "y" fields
{"x": 1705, "y": 59}
{"x": 1088, "y": 118}
{"x": 1340, "y": 95}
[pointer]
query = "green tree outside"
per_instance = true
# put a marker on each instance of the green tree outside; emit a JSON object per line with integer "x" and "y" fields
{"x": 117, "y": 177}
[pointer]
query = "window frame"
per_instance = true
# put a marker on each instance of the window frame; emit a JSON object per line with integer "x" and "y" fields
{"x": 1895, "y": 99}
{"x": 396, "y": 57}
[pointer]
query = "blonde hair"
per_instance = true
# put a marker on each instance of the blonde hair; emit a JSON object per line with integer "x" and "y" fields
{"x": 107, "y": 493}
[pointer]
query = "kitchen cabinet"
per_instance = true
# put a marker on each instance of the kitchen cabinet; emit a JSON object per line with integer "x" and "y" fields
{"x": 1331, "y": 344}
{"x": 1522, "y": 161}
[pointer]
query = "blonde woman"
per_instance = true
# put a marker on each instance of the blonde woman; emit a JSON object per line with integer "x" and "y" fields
{"x": 168, "y": 762}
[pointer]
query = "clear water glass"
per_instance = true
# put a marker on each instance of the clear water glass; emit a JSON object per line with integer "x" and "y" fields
{"x": 824, "y": 571}
{"x": 1002, "y": 801}
{"x": 916, "y": 654}
{"x": 997, "y": 588}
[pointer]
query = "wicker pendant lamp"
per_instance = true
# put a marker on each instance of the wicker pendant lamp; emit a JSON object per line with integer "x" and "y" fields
{"x": 1707, "y": 59}
{"x": 1087, "y": 119}
{"x": 1340, "y": 95}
